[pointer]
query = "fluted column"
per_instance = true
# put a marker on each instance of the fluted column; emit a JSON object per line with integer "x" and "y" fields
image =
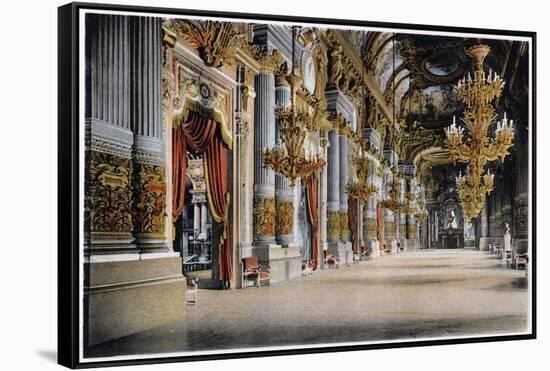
{"x": 196, "y": 219}
{"x": 343, "y": 160}
{"x": 204, "y": 216}
{"x": 264, "y": 178}
{"x": 146, "y": 120}
{"x": 284, "y": 195}
{"x": 333, "y": 188}
{"x": 109, "y": 138}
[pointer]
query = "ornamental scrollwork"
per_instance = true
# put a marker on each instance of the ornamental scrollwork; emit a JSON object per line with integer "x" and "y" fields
{"x": 264, "y": 217}
{"x": 333, "y": 222}
{"x": 389, "y": 229}
{"x": 108, "y": 193}
{"x": 344, "y": 226}
{"x": 215, "y": 41}
{"x": 285, "y": 218}
{"x": 150, "y": 190}
{"x": 370, "y": 225}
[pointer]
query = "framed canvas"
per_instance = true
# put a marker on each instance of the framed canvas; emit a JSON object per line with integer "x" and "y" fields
{"x": 243, "y": 185}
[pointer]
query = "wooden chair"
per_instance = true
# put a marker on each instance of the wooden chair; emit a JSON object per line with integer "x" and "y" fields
{"x": 498, "y": 251}
{"x": 330, "y": 260}
{"x": 253, "y": 271}
{"x": 522, "y": 260}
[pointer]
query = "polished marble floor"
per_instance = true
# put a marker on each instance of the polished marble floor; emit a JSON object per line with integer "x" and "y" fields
{"x": 430, "y": 293}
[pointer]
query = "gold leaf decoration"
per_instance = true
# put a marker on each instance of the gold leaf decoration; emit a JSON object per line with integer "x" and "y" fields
{"x": 344, "y": 226}
{"x": 333, "y": 219}
{"x": 214, "y": 41}
{"x": 389, "y": 229}
{"x": 150, "y": 189}
{"x": 108, "y": 193}
{"x": 264, "y": 216}
{"x": 285, "y": 218}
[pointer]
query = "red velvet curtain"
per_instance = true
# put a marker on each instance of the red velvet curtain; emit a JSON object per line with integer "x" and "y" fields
{"x": 312, "y": 202}
{"x": 352, "y": 221}
{"x": 218, "y": 197}
{"x": 194, "y": 136}
{"x": 198, "y": 135}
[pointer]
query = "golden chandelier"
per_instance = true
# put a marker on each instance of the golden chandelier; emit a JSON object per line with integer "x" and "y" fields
{"x": 361, "y": 188}
{"x": 394, "y": 202}
{"x": 478, "y": 148}
{"x": 290, "y": 158}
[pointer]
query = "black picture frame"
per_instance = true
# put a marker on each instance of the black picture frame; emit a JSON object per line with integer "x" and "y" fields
{"x": 68, "y": 184}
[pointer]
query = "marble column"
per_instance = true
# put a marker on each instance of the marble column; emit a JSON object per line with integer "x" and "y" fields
{"x": 125, "y": 185}
{"x": 323, "y": 215}
{"x": 108, "y": 190}
{"x": 333, "y": 188}
{"x": 284, "y": 194}
{"x": 343, "y": 161}
{"x": 264, "y": 178}
{"x": 196, "y": 219}
{"x": 204, "y": 216}
{"x": 146, "y": 119}
{"x": 483, "y": 229}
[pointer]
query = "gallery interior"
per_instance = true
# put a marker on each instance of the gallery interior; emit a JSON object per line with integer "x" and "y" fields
{"x": 222, "y": 156}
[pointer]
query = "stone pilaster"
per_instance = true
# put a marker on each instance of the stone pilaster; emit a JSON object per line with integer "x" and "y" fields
{"x": 109, "y": 138}
{"x": 264, "y": 178}
{"x": 333, "y": 188}
{"x": 343, "y": 160}
{"x": 284, "y": 194}
{"x": 146, "y": 119}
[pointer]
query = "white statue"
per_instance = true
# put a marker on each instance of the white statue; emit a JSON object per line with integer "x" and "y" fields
{"x": 507, "y": 237}
{"x": 452, "y": 221}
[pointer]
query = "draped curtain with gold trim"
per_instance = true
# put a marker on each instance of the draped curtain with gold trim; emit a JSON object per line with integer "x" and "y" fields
{"x": 312, "y": 202}
{"x": 199, "y": 134}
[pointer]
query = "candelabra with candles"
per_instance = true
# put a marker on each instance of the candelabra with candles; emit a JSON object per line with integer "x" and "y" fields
{"x": 393, "y": 201}
{"x": 479, "y": 148}
{"x": 361, "y": 188}
{"x": 290, "y": 157}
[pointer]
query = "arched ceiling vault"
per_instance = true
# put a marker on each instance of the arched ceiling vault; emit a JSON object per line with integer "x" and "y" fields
{"x": 423, "y": 77}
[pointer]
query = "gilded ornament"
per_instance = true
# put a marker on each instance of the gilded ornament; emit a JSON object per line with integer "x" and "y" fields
{"x": 150, "y": 203}
{"x": 215, "y": 41}
{"x": 285, "y": 218}
{"x": 333, "y": 223}
{"x": 108, "y": 193}
{"x": 264, "y": 216}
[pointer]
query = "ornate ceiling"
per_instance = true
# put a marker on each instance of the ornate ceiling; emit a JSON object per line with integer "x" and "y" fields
{"x": 417, "y": 74}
